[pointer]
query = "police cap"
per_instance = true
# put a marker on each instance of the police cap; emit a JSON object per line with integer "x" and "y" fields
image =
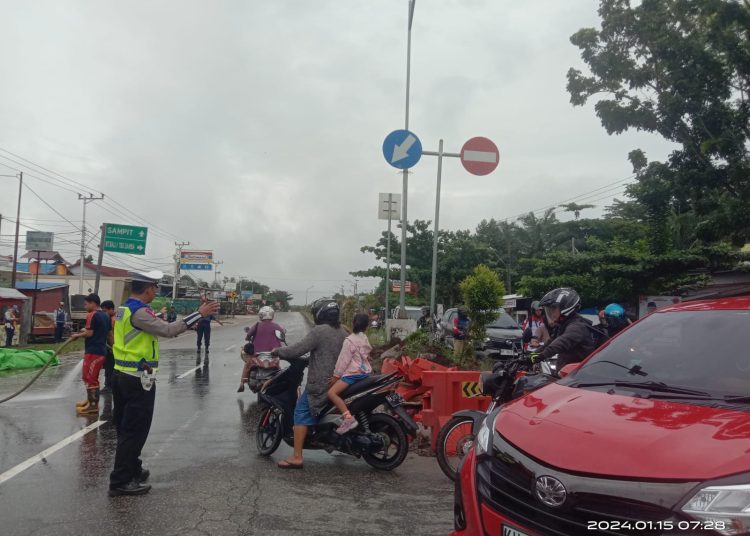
{"x": 154, "y": 276}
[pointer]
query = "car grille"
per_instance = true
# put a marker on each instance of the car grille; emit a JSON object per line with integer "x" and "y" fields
{"x": 506, "y": 487}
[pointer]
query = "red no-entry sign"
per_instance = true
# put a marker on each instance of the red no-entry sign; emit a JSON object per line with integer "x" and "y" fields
{"x": 480, "y": 156}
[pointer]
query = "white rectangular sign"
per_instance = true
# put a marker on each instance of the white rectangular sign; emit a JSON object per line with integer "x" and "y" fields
{"x": 389, "y": 205}
{"x": 39, "y": 241}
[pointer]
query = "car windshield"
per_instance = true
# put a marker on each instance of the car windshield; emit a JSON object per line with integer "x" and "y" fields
{"x": 503, "y": 321}
{"x": 700, "y": 350}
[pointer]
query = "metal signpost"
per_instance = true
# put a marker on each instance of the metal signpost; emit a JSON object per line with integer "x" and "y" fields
{"x": 388, "y": 206}
{"x": 125, "y": 239}
{"x": 38, "y": 241}
{"x": 402, "y": 150}
{"x": 197, "y": 260}
{"x": 479, "y": 156}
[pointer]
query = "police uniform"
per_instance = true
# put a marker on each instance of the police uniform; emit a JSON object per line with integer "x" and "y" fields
{"x": 136, "y": 351}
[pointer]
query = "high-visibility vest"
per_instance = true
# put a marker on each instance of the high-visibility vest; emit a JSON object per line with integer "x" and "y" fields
{"x": 132, "y": 344}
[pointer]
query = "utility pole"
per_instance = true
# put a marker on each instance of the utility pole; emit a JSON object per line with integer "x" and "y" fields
{"x": 86, "y": 200}
{"x": 99, "y": 260}
{"x": 177, "y": 256}
{"x": 216, "y": 272}
{"x": 306, "y": 291}
{"x": 404, "y": 218}
{"x": 18, "y": 223}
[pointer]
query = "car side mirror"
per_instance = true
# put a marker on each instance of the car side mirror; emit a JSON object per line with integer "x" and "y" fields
{"x": 569, "y": 369}
{"x": 280, "y": 335}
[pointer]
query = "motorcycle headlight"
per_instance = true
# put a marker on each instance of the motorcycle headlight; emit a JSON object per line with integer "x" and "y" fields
{"x": 484, "y": 437}
{"x": 726, "y": 507}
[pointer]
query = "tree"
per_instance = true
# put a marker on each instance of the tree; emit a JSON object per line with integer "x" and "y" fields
{"x": 679, "y": 68}
{"x": 482, "y": 292}
{"x": 280, "y": 297}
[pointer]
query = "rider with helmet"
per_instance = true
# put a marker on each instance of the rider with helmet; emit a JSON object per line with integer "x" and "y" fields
{"x": 324, "y": 343}
{"x": 534, "y": 325}
{"x": 261, "y": 338}
{"x": 572, "y": 338}
{"x": 614, "y": 319}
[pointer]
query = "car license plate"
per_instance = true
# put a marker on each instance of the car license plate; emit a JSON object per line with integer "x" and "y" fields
{"x": 512, "y": 531}
{"x": 506, "y": 351}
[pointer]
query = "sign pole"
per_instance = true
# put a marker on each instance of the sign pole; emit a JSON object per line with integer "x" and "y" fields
{"x": 388, "y": 259}
{"x": 99, "y": 261}
{"x": 436, "y": 232}
{"x": 404, "y": 219}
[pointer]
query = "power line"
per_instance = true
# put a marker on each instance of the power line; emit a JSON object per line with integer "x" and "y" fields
{"x": 51, "y": 207}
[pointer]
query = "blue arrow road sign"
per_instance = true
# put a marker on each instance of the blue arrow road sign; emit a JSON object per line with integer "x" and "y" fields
{"x": 402, "y": 149}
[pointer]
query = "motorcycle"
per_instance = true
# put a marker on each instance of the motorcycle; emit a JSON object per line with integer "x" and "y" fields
{"x": 263, "y": 365}
{"x": 381, "y": 437}
{"x": 508, "y": 380}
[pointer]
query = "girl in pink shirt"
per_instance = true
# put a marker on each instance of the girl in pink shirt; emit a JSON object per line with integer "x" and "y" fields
{"x": 352, "y": 366}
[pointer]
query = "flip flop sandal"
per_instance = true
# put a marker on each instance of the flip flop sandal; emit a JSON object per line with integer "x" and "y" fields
{"x": 283, "y": 464}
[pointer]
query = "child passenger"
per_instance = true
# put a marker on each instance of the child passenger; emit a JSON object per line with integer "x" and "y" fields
{"x": 352, "y": 366}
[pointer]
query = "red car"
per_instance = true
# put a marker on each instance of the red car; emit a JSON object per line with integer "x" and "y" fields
{"x": 648, "y": 436}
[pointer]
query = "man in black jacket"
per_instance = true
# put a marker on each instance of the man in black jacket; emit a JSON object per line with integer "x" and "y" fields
{"x": 572, "y": 337}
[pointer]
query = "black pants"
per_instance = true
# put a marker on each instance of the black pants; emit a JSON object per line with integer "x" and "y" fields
{"x": 59, "y": 329}
{"x": 204, "y": 330}
{"x": 132, "y": 413}
{"x": 109, "y": 367}
{"x": 9, "y": 336}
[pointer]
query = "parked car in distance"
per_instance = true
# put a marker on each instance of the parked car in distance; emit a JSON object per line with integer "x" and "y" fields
{"x": 648, "y": 435}
{"x": 499, "y": 332}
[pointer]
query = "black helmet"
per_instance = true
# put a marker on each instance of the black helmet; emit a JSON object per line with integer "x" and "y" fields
{"x": 325, "y": 311}
{"x": 567, "y": 299}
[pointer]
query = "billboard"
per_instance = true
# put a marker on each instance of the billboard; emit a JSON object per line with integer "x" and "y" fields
{"x": 196, "y": 260}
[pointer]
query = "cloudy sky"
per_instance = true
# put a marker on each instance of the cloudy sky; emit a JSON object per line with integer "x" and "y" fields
{"x": 254, "y": 128}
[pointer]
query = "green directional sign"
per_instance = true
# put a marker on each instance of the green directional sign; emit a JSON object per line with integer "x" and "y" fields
{"x": 125, "y": 238}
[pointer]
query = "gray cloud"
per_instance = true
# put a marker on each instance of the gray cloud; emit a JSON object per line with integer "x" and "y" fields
{"x": 255, "y": 128}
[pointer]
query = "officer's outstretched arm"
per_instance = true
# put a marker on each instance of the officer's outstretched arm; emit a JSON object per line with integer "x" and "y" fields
{"x": 145, "y": 320}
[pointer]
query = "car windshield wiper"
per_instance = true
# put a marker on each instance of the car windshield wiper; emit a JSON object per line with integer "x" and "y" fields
{"x": 657, "y": 387}
{"x": 635, "y": 370}
{"x": 737, "y": 398}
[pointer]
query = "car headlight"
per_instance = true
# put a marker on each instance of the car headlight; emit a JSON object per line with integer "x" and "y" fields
{"x": 484, "y": 437}
{"x": 726, "y": 507}
{"x": 486, "y": 339}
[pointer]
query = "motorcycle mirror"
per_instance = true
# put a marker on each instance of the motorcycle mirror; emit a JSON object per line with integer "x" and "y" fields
{"x": 247, "y": 328}
{"x": 280, "y": 335}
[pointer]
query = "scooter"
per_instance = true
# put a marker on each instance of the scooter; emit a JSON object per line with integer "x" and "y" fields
{"x": 263, "y": 365}
{"x": 508, "y": 380}
{"x": 381, "y": 438}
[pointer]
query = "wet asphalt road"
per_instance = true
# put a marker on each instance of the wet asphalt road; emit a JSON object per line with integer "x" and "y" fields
{"x": 206, "y": 474}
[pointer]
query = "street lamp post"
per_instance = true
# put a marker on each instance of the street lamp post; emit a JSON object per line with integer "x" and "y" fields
{"x": 404, "y": 219}
{"x": 306, "y": 291}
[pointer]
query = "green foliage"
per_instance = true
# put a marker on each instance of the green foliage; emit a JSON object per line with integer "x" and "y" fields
{"x": 416, "y": 343}
{"x": 482, "y": 293}
{"x": 679, "y": 68}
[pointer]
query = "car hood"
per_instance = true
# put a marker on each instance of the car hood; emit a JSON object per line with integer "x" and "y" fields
{"x": 596, "y": 433}
{"x": 503, "y": 333}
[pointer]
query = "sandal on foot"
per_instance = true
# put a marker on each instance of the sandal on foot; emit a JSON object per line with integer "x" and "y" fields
{"x": 284, "y": 464}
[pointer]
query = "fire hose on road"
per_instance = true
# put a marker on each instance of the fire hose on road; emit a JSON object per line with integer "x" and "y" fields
{"x": 39, "y": 373}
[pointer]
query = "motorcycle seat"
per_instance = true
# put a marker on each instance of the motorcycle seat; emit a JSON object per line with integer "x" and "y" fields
{"x": 364, "y": 385}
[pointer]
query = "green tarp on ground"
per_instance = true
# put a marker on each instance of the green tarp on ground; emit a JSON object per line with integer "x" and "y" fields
{"x": 15, "y": 359}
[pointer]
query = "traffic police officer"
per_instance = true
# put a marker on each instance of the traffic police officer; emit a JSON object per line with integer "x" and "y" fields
{"x": 136, "y": 349}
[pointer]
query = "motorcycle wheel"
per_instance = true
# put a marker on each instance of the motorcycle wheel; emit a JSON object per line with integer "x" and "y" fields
{"x": 270, "y": 430}
{"x": 396, "y": 443}
{"x": 453, "y": 443}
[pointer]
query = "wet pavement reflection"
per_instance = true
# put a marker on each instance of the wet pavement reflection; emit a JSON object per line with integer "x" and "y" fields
{"x": 206, "y": 474}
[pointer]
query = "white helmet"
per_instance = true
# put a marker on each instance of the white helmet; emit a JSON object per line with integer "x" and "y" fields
{"x": 266, "y": 313}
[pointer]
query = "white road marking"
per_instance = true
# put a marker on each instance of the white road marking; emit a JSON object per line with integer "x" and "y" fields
{"x": 231, "y": 348}
{"x": 10, "y": 473}
{"x": 480, "y": 156}
{"x": 188, "y": 373}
